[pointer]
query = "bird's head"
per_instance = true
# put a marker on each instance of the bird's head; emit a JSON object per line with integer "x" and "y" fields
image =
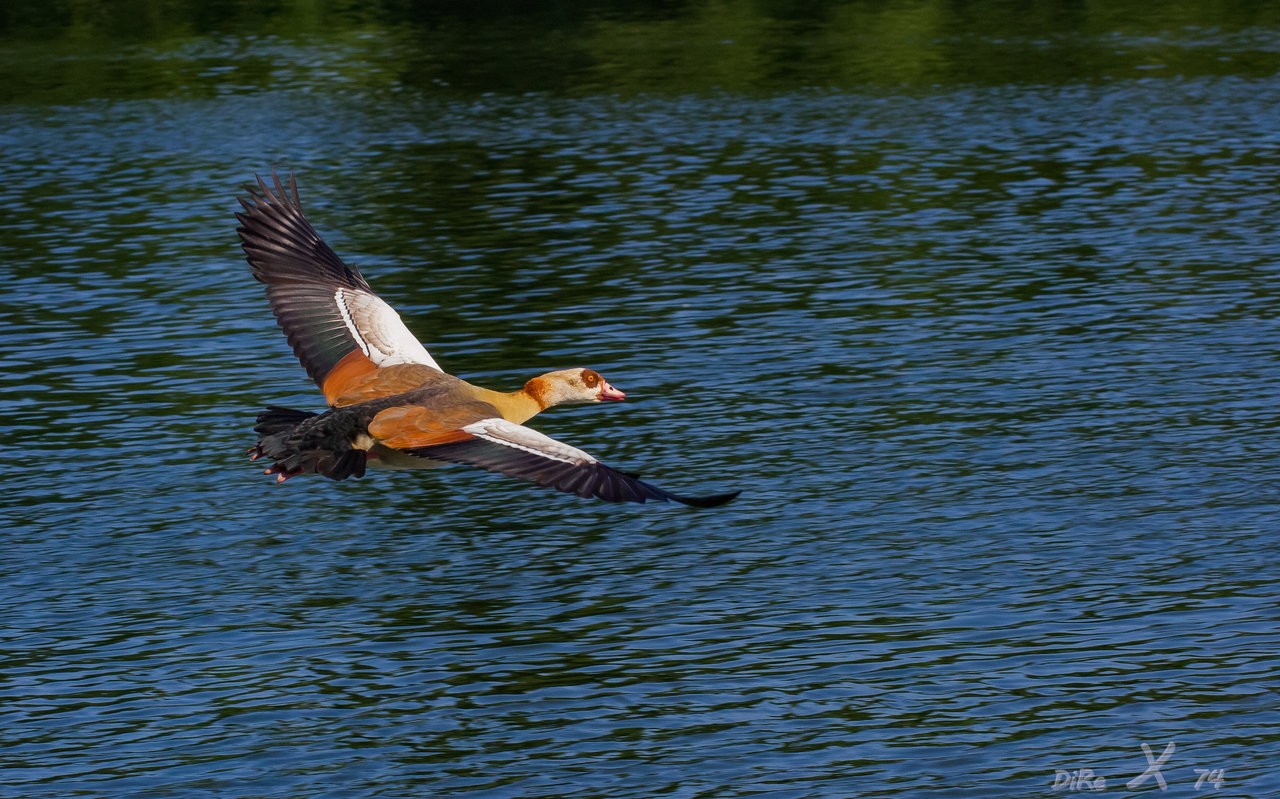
{"x": 572, "y": 386}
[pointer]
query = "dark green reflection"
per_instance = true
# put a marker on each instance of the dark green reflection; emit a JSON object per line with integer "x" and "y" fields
{"x": 55, "y": 52}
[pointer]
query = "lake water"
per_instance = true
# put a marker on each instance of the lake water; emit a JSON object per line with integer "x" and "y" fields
{"x": 976, "y": 303}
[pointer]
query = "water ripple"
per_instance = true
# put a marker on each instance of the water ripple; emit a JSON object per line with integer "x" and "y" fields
{"x": 991, "y": 364}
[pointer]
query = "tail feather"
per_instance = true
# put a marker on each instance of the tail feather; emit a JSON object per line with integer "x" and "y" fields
{"x": 276, "y": 419}
{"x": 299, "y": 442}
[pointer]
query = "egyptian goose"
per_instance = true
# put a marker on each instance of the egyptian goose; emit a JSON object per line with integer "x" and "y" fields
{"x": 390, "y": 403}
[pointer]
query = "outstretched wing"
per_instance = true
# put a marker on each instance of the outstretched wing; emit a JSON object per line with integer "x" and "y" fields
{"x": 512, "y": 449}
{"x": 338, "y": 327}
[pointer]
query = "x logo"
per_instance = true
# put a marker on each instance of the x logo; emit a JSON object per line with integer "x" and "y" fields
{"x": 1153, "y": 767}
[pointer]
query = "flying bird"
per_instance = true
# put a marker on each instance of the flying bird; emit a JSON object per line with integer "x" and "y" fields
{"x": 390, "y": 403}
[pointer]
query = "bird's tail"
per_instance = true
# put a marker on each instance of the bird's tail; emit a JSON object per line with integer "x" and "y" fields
{"x": 275, "y": 420}
{"x": 298, "y": 442}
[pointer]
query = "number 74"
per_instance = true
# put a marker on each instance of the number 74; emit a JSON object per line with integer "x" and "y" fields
{"x": 1213, "y": 776}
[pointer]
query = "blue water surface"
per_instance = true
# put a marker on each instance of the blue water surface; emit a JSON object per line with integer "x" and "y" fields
{"x": 979, "y": 312}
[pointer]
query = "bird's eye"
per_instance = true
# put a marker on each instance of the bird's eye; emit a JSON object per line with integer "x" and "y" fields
{"x": 590, "y": 378}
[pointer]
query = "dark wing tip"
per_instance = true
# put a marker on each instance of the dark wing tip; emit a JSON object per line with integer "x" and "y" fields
{"x": 615, "y": 485}
{"x": 713, "y": 501}
{"x": 276, "y": 191}
{"x": 279, "y": 241}
{"x": 587, "y": 480}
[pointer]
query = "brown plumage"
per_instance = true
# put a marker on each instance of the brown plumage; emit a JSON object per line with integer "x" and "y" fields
{"x": 390, "y": 403}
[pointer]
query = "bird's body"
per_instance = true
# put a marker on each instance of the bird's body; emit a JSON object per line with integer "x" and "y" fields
{"x": 391, "y": 404}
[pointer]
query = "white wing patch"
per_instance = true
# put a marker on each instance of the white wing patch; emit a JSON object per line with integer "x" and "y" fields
{"x": 377, "y": 328}
{"x": 517, "y": 436}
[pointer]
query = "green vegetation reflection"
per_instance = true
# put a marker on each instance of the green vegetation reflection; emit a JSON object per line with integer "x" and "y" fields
{"x": 58, "y": 52}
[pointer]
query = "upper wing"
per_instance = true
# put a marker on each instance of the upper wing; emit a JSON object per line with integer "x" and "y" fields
{"x": 512, "y": 449}
{"x": 388, "y": 381}
{"x": 338, "y": 327}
